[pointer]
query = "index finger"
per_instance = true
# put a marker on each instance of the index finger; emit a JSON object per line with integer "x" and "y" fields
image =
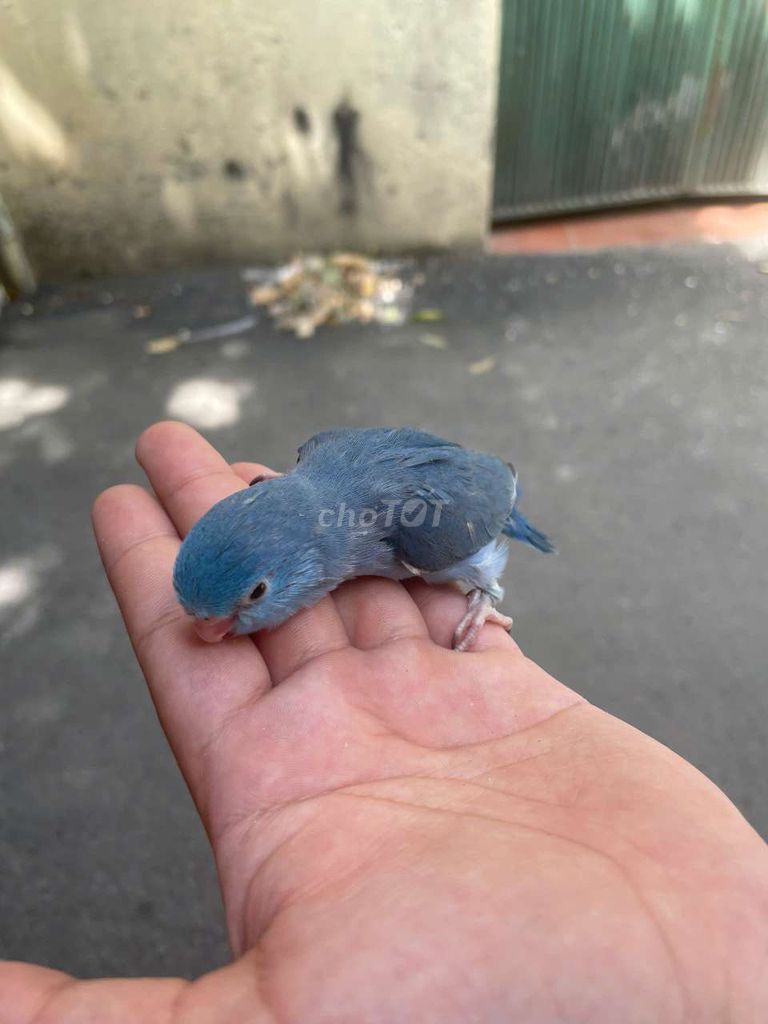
{"x": 196, "y": 687}
{"x": 187, "y": 474}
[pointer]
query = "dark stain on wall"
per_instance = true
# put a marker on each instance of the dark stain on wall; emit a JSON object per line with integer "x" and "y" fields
{"x": 234, "y": 170}
{"x": 301, "y": 120}
{"x": 349, "y": 156}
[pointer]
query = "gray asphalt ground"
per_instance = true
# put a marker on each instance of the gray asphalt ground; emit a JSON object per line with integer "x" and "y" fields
{"x": 629, "y": 389}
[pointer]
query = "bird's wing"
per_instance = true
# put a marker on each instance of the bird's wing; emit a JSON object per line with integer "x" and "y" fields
{"x": 315, "y": 441}
{"x": 446, "y": 501}
{"x": 452, "y": 502}
{"x": 371, "y": 443}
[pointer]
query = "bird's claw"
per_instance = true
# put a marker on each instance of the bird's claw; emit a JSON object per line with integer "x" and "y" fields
{"x": 480, "y": 609}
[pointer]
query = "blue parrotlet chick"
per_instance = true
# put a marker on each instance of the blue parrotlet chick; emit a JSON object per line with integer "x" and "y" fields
{"x": 387, "y": 502}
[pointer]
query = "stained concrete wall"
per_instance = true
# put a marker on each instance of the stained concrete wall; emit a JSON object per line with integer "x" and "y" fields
{"x": 164, "y": 132}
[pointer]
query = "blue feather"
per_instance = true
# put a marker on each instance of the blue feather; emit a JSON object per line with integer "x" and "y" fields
{"x": 518, "y": 528}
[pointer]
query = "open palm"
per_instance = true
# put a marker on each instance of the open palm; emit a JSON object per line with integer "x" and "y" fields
{"x": 404, "y": 833}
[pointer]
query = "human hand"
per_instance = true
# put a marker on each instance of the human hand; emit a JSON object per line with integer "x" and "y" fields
{"x": 404, "y": 833}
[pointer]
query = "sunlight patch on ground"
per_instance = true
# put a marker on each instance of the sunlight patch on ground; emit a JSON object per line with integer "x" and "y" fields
{"x": 753, "y": 249}
{"x": 21, "y": 589}
{"x": 207, "y": 403}
{"x": 16, "y": 583}
{"x": 20, "y": 399}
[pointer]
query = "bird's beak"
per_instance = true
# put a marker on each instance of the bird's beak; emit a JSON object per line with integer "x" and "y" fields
{"x": 214, "y": 630}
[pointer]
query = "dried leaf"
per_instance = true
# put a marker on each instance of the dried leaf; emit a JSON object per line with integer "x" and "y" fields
{"x": 350, "y": 259}
{"x": 263, "y": 294}
{"x": 390, "y": 315}
{"x": 367, "y": 285}
{"x": 482, "y": 366}
{"x": 362, "y": 310}
{"x": 433, "y": 341}
{"x": 158, "y": 346}
{"x": 302, "y": 326}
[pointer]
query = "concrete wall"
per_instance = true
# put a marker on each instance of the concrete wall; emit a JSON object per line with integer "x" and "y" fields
{"x": 158, "y": 132}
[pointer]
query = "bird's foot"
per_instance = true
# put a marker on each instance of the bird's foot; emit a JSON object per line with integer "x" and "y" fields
{"x": 480, "y": 610}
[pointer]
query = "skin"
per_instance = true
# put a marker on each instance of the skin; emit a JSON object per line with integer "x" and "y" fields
{"x": 404, "y": 833}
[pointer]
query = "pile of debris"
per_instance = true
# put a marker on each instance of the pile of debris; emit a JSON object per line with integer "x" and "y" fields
{"x": 336, "y": 289}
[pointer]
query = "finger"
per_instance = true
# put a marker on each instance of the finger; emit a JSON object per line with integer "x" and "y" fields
{"x": 35, "y": 994}
{"x": 187, "y": 474}
{"x": 31, "y": 993}
{"x": 306, "y": 636}
{"x": 377, "y": 611}
{"x": 196, "y": 687}
{"x": 442, "y": 609}
{"x": 250, "y": 471}
{"x": 27, "y": 990}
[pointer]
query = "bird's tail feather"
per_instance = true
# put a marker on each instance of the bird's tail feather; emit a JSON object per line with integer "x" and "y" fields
{"x": 518, "y": 528}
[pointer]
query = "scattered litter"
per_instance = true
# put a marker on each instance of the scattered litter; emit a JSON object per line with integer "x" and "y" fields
{"x": 185, "y": 336}
{"x": 140, "y": 312}
{"x": 482, "y": 366}
{"x": 691, "y": 282}
{"x": 433, "y": 341}
{"x": 427, "y": 316}
{"x": 264, "y": 294}
{"x": 390, "y": 315}
{"x": 341, "y": 288}
{"x": 158, "y": 346}
{"x": 763, "y": 267}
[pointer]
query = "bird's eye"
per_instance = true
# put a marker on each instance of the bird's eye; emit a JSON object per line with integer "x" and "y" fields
{"x": 259, "y": 590}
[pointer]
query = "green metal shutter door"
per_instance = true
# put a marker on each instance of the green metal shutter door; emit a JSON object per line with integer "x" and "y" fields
{"x": 604, "y": 102}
